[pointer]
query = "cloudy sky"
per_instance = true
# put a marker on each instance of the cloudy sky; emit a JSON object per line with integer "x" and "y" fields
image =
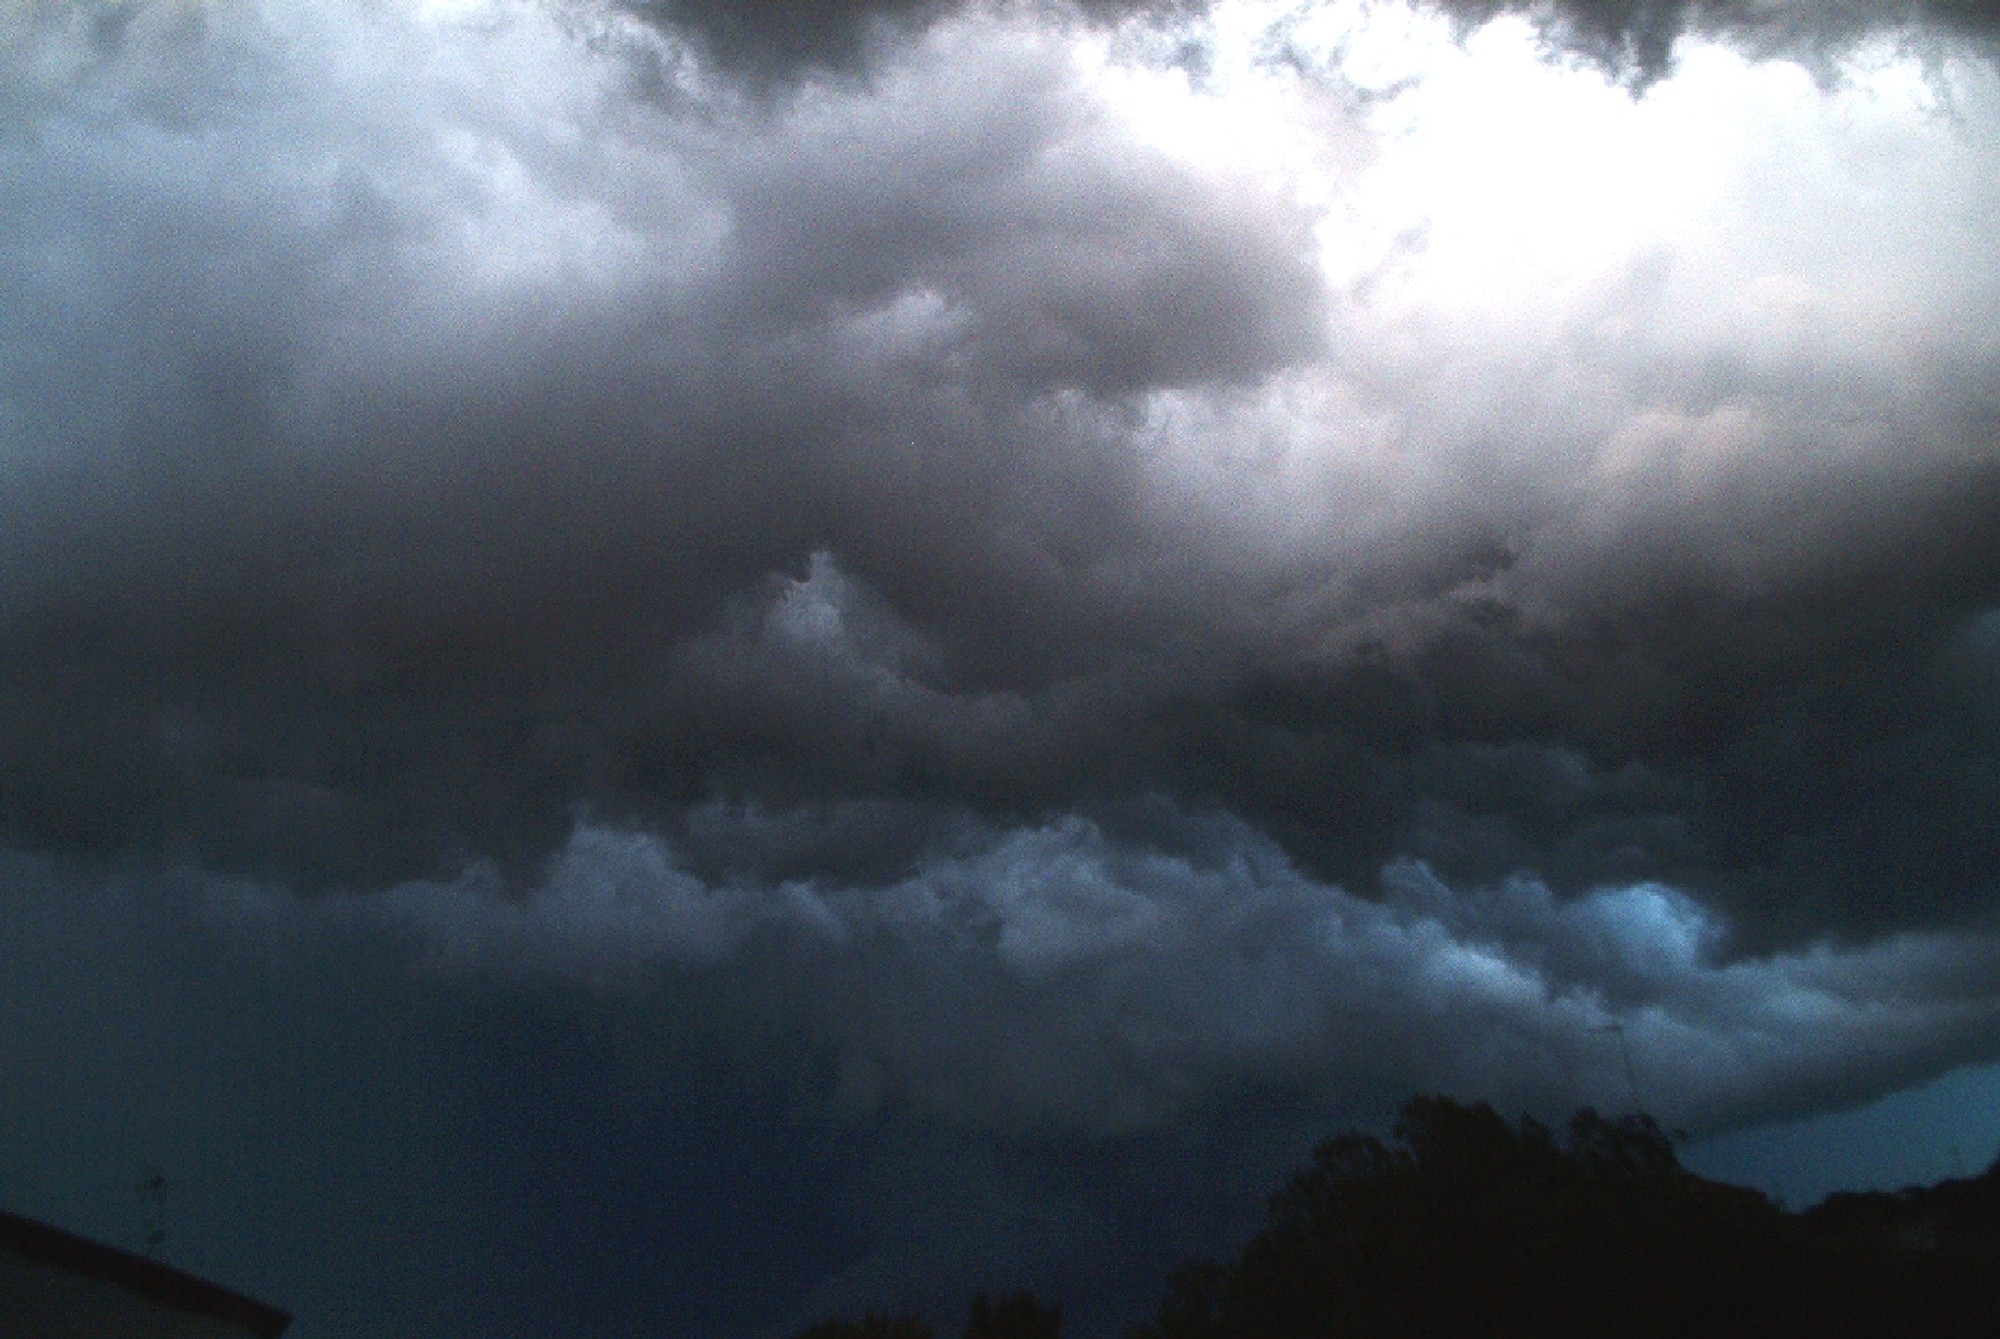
{"x": 672, "y": 665}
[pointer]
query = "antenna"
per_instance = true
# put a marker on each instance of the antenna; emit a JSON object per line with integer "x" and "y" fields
{"x": 1631, "y": 1073}
{"x": 153, "y": 1208}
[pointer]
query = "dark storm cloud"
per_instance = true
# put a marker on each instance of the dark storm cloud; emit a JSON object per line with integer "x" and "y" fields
{"x": 1635, "y": 38}
{"x": 1817, "y": 757}
{"x": 766, "y": 39}
{"x": 1080, "y": 976}
{"x": 838, "y": 543}
{"x": 342, "y": 584}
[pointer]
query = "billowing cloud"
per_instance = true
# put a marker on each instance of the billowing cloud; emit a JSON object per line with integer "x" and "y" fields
{"x": 1635, "y": 38}
{"x": 769, "y": 41}
{"x": 1073, "y": 566}
{"x": 1073, "y": 976}
{"x": 510, "y": 384}
{"x": 394, "y": 478}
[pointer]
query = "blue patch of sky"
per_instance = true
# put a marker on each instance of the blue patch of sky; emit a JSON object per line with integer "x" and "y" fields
{"x": 1948, "y": 1127}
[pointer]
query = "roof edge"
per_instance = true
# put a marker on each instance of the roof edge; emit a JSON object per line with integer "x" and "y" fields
{"x": 162, "y": 1283}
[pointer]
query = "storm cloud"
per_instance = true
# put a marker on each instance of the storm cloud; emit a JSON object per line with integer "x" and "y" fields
{"x": 1075, "y": 562}
{"x": 1069, "y": 978}
{"x": 1635, "y": 38}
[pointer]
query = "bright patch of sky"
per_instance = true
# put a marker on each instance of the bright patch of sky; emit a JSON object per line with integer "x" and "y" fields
{"x": 1487, "y": 182}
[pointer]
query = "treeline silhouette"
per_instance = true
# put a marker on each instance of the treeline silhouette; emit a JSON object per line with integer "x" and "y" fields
{"x": 1018, "y": 1315}
{"x": 1465, "y": 1226}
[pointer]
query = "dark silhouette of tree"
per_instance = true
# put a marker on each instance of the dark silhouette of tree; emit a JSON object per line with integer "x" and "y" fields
{"x": 1013, "y": 1316}
{"x": 1017, "y": 1315}
{"x": 1467, "y": 1226}
{"x": 1464, "y": 1226}
{"x": 874, "y": 1325}
{"x": 1958, "y": 1214}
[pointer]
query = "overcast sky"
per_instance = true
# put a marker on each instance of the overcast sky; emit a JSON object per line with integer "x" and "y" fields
{"x": 667, "y": 666}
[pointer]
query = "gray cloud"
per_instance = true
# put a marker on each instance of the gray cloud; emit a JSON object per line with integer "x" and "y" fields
{"x": 492, "y": 469}
{"x": 1064, "y": 977}
{"x": 381, "y": 542}
{"x": 585, "y": 1111}
{"x": 952, "y": 628}
{"x": 768, "y": 40}
{"x": 1635, "y": 38}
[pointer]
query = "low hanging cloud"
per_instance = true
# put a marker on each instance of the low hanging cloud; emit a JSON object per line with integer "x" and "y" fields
{"x": 512, "y": 468}
{"x": 1065, "y": 978}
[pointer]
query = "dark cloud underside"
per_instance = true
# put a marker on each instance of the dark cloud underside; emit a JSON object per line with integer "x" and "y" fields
{"x": 666, "y": 667}
{"x": 764, "y": 39}
{"x": 1632, "y": 38}
{"x": 1636, "y": 37}
{"x": 948, "y": 536}
{"x": 309, "y": 582}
